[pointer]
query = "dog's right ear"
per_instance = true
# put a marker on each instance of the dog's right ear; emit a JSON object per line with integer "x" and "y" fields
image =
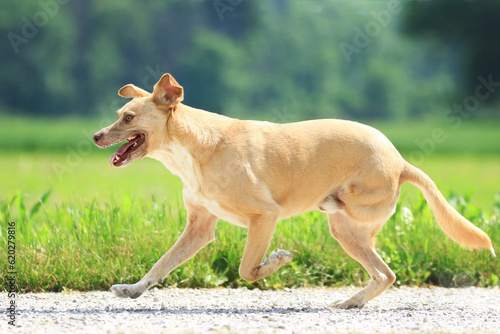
{"x": 167, "y": 91}
{"x": 131, "y": 91}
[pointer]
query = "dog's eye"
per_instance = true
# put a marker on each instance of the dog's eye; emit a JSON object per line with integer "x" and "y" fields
{"x": 128, "y": 118}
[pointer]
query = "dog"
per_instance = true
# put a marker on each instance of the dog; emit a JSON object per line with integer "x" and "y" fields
{"x": 253, "y": 174}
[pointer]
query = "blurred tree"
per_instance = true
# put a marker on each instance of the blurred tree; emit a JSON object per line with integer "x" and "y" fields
{"x": 83, "y": 22}
{"x": 469, "y": 29}
{"x": 36, "y": 56}
{"x": 278, "y": 60}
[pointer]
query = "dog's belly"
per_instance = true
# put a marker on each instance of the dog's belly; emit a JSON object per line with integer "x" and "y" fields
{"x": 216, "y": 210}
{"x": 326, "y": 204}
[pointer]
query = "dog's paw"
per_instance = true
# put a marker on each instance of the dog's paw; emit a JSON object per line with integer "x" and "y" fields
{"x": 353, "y": 302}
{"x": 127, "y": 290}
{"x": 278, "y": 258}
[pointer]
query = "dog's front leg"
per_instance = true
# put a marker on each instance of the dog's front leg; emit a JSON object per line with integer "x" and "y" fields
{"x": 199, "y": 231}
{"x": 259, "y": 237}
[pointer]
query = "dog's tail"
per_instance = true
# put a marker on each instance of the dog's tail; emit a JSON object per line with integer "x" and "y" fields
{"x": 452, "y": 223}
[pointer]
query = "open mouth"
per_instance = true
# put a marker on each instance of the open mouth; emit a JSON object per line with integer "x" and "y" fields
{"x": 133, "y": 143}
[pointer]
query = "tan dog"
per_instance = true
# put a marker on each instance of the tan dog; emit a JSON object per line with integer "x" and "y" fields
{"x": 253, "y": 174}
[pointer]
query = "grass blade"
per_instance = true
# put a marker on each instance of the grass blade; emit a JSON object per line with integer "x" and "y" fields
{"x": 41, "y": 202}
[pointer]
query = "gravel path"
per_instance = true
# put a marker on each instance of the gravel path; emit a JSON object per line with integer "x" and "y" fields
{"x": 404, "y": 310}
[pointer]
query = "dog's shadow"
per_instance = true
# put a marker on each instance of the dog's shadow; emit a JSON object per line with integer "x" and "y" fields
{"x": 180, "y": 311}
{"x": 219, "y": 311}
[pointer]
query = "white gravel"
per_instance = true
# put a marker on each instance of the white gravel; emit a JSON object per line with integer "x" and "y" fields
{"x": 170, "y": 310}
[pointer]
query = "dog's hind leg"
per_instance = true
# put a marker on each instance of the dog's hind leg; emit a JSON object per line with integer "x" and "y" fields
{"x": 357, "y": 240}
{"x": 259, "y": 237}
{"x": 199, "y": 231}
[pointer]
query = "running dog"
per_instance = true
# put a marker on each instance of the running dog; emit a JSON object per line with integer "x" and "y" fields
{"x": 253, "y": 174}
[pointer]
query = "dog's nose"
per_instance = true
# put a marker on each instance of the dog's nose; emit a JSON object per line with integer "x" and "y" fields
{"x": 97, "y": 136}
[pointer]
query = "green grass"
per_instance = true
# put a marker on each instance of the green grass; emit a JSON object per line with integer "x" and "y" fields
{"x": 84, "y": 225}
{"x": 472, "y": 176}
{"x": 47, "y": 134}
{"x": 95, "y": 244}
{"x": 32, "y": 173}
{"x": 469, "y": 138}
{"x": 58, "y": 154}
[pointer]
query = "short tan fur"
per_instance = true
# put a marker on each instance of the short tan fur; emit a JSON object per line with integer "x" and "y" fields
{"x": 253, "y": 174}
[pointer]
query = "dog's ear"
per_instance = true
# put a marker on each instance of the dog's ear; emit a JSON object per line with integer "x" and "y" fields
{"x": 167, "y": 91}
{"x": 132, "y": 91}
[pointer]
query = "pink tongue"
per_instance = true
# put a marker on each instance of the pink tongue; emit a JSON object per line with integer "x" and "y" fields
{"x": 112, "y": 158}
{"x": 120, "y": 151}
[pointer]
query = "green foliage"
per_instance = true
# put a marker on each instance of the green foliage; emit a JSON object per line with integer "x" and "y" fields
{"x": 95, "y": 244}
{"x": 253, "y": 59}
{"x": 454, "y": 29}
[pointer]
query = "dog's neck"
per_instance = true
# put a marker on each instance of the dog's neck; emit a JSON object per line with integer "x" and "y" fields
{"x": 192, "y": 137}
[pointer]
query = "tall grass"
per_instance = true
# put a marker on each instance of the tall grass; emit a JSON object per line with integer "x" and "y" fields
{"x": 95, "y": 244}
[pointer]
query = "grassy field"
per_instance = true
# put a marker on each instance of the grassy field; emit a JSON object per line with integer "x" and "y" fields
{"x": 81, "y": 224}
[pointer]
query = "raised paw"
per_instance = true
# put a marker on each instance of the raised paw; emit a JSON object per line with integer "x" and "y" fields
{"x": 278, "y": 258}
{"x": 127, "y": 290}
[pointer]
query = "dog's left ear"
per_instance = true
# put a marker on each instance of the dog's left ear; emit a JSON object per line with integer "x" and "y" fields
{"x": 167, "y": 91}
{"x": 131, "y": 91}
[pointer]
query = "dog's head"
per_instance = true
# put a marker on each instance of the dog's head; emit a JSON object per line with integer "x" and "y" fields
{"x": 142, "y": 121}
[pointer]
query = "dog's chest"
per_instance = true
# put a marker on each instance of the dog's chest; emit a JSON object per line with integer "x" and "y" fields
{"x": 178, "y": 161}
